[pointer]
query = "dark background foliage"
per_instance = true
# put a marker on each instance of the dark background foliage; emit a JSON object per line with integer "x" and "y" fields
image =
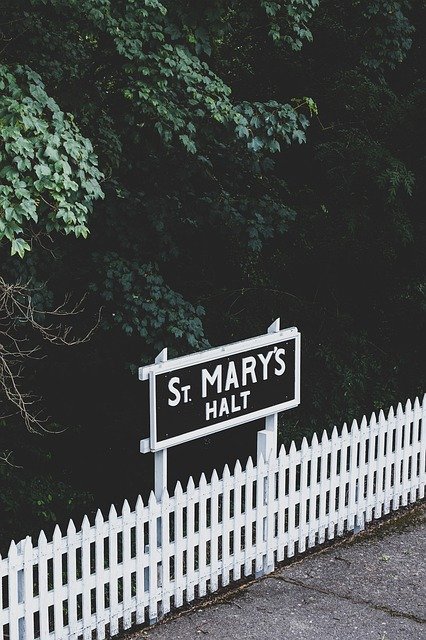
{"x": 211, "y": 226}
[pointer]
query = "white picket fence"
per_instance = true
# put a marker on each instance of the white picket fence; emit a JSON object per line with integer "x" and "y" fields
{"x": 133, "y": 568}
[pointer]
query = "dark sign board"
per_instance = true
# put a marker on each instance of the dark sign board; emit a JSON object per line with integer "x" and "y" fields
{"x": 206, "y": 392}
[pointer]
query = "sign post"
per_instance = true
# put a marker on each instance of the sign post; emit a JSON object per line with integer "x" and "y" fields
{"x": 267, "y": 438}
{"x": 160, "y": 457}
{"x": 203, "y": 393}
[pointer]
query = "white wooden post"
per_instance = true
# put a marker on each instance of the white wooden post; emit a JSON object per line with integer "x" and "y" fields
{"x": 160, "y": 457}
{"x": 267, "y": 450}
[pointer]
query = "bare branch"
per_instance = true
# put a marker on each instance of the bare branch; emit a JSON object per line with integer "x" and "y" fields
{"x": 18, "y": 319}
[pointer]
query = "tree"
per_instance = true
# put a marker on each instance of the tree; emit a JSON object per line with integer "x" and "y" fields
{"x": 196, "y": 116}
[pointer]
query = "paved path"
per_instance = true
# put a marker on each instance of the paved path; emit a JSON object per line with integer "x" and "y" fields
{"x": 371, "y": 588}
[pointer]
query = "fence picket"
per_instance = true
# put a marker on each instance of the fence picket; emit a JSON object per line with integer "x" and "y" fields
{"x": 248, "y": 519}
{"x": 282, "y": 504}
{"x": 127, "y": 572}
{"x": 214, "y": 528}
{"x": 13, "y": 592}
{"x": 100, "y": 575}
{"x": 323, "y": 520}
{"x": 389, "y": 464}
{"x": 226, "y": 525}
{"x": 140, "y": 561}
{"x": 179, "y": 575}
{"x": 153, "y": 564}
{"x": 343, "y": 476}
{"x": 406, "y": 453}
{"x": 353, "y": 474}
{"x": 72, "y": 581}
{"x": 202, "y": 547}
{"x": 313, "y": 490}
{"x": 113, "y": 570}
{"x": 422, "y": 453}
{"x": 292, "y": 532}
{"x": 85, "y": 578}
{"x": 415, "y": 450}
{"x": 128, "y": 565}
{"x": 397, "y": 488}
{"x": 190, "y": 540}
{"x": 371, "y": 468}
{"x": 165, "y": 553}
{"x": 237, "y": 520}
{"x": 260, "y": 529}
{"x": 362, "y": 475}
{"x": 58, "y": 607}
{"x": 2, "y": 609}
{"x": 333, "y": 484}
{"x": 303, "y": 491}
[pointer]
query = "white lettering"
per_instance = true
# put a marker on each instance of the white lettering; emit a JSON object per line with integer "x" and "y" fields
{"x": 172, "y": 388}
{"x": 223, "y": 407}
{"x": 211, "y": 410}
{"x": 185, "y": 391}
{"x": 265, "y": 361}
{"x": 234, "y": 407}
{"x": 244, "y": 395}
{"x": 279, "y": 358}
{"x": 215, "y": 377}
{"x": 248, "y": 368}
{"x": 231, "y": 377}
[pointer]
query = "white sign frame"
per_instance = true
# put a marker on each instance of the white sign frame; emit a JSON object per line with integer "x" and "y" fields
{"x": 149, "y": 372}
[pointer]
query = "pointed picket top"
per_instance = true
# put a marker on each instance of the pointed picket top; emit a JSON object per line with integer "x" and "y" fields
{"x": 42, "y": 540}
{"x": 304, "y": 446}
{"x": 125, "y": 511}
{"x": 13, "y": 553}
{"x": 344, "y": 430}
{"x": 203, "y": 482}
{"x": 57, "y": 536}
{"x": 190, "y": 487}
{"x": 165, "y": 496}
{"x": 99, "y": 519}
{"x": 71, "y": 529}
{"x": 215, "y": 477}
{"x": 324, "y": 438}
{"x": 112, "y": 516}
{"x": 314, "y": 441}
{"x": 399, "y": 411}
{"x": 408, "y": 406}
{"x": 28, "y": 546}
{"x": 178, "y": 490}
{"x": 373, "y": 420}
{"x": 237, "y": 469}
{"x": 416, "y": 404}
{"x": 334, "y": 434}
{"x": 226, "y": 473}
{"x": 139, "y": 504}
{"x": 85, "y": 527}
{"x": 260, "y": 461}
{"x": 292, "y": 448}
{"x": 363, "y": 425}
{"x": 249, "y": 465}
{"x": 391, "y": 415}
{"x": 152, "y": 500}
{"x": 354, "y": 428}
{"x": 282, "y": 452}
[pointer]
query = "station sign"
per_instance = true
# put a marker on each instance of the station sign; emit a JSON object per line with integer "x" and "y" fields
{"x": 203, "y": 393}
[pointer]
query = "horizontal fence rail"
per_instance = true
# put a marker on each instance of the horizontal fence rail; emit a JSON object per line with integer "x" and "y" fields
{"x": 134, "y": 567}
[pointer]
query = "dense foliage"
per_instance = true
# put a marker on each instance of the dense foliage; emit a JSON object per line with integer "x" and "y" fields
{"x": 229, "y": 198}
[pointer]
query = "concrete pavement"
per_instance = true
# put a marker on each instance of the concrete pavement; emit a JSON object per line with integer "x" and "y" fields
{"x": 371, "y": 586}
